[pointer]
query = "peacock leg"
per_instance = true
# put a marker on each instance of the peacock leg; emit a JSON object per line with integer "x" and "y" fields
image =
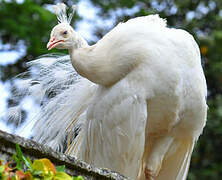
{"x": 156, "y": 155}
{"x": 148, "y": 174}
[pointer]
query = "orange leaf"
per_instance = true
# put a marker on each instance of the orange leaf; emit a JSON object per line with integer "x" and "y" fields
{"x": 20, "y": 174}
{"x": 44, "y": 165}
{"x": 28, "y": 176}
{"x": 49, "y": 165}
{"x": 7, "y": 169}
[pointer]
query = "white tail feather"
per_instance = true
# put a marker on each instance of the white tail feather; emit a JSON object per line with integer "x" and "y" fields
{"x": 177, "y": 161}
{"x": 63, "y": 96}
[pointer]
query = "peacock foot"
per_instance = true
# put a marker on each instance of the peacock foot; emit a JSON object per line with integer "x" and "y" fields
{"x": 148, "y": 174}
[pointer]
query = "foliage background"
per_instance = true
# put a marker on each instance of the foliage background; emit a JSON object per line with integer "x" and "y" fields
{"x": 30, "y": 22}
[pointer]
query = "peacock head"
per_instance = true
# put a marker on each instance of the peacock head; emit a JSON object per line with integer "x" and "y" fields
{"x": 62, "y": 35}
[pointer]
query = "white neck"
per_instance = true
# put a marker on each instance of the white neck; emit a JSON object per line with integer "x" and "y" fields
{"x": 80, "y": 57}
{"x": 79, "y": 42}
{"x": 93, "y": 63}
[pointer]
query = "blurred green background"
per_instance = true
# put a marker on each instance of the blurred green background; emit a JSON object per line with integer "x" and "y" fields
{"x": 27, "y": 24}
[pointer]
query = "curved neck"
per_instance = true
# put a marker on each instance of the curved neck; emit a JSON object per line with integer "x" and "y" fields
{"x": 78, "y": 42}
{"x": 79, "y": 56}
{"x": 93, "y": 63}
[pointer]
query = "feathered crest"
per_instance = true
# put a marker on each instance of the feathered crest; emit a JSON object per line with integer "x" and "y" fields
{"x": 60, "y": 11}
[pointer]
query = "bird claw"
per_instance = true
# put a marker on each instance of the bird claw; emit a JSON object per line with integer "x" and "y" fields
{"x": 148, "y": 174}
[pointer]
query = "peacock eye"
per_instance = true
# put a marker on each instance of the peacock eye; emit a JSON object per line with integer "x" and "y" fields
{"x": 65, "y": 32}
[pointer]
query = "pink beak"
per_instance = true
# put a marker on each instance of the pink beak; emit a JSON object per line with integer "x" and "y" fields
{"x": 53, "y": 43}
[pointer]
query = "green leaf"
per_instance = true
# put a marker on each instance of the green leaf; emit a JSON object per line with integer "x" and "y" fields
{"x": 1, "y": 162}
{"x": 3, "y": 177}
{"x": 22, "y": 158}
{"x": 18, "y": 162}
{"x": 60, "y": 168}
{"x": 37, "y": 173}
{"x": 2, "y": 168}
{"x": 62, "y": 176}
{"x": 27, "y": 162}
{"x": 19, "y": 152}
{"x": 38, "y": 165}
{"x": 30, "y": 162}
{"x": 48, "y": 178}
{"x": 78, "y": 178}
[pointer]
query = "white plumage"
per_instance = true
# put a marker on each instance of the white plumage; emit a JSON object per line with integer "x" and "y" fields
{"x": 144, "y": 105}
